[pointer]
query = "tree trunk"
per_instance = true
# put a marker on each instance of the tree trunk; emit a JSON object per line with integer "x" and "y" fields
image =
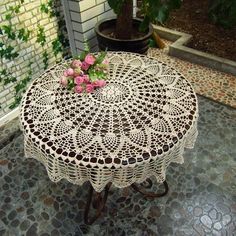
{"x": 124, "y": 21}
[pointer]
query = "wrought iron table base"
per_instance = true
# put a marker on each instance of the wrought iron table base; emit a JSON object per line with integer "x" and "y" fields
{"x": 150, "y": 194}
{"x": 99, "y": 201}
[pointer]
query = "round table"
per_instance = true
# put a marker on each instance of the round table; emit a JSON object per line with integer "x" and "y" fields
{"x": 123, "y": 133}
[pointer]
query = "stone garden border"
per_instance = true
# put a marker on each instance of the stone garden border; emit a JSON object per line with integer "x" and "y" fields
{"x": 178, "y": 49}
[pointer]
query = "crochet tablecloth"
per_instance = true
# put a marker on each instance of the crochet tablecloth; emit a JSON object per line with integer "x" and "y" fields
{"x": 125, "y": 132}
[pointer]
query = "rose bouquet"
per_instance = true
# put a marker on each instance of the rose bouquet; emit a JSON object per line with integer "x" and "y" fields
{"x": 86, "y": 72}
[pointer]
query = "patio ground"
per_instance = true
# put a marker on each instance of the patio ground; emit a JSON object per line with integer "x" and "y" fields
{"x": 202, "y": 196}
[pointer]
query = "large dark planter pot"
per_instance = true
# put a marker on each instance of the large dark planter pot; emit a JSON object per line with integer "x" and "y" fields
{"x": 139, "y": 45}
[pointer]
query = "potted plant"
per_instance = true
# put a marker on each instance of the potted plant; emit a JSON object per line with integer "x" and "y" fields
{"x": 126, "y": 33}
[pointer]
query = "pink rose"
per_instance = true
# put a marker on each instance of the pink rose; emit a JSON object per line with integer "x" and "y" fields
{"x": 79, "y": 80}
{"x": 106, "y": 62}
{"x": 85, "y": 65}
{"x": 86, "y": 79}
{"x": 78, "y": 89}
{"x": 99, "y": 83}
{"x": 69, "y": 72}
{"x": 90, "y": 59}
{"x": 89, "y": 88}
{"x": 64, "y": 81}
{"x": 76, "y": 64}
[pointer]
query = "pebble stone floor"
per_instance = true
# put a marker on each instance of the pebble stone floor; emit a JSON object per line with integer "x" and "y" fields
{"x": 207, "y": 82}
{"x": 202, "y": 196}
{"x": 201, "y": 200}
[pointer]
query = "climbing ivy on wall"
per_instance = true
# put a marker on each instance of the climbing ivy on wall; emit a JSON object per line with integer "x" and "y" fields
{"x": 11, "y": 34}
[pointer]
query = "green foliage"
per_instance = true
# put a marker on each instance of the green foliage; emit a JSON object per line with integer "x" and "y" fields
{"x": 223, "y": 12}
{"x": 3, "y": 74}
{"x": 49, "y": 8}
{"x": 116, "y": 5}
{"x": 12, "y": 32}
{"x": 9, "y": 79}
{"x": 16, "y": 102}
{"x": 41, "y": 37}
{"x": 44, "y": 8}
{"x": 157, "y": 11}
{"x": 15, "y": 9}
{"x": 71, "y": 84}
{"x": 64, "y": 41}
{"x": 24, "y": 34}
{"x": 86, "y": 46}
{"x": 100, "y": 57}
{"x": 56, "y": 47}
{"x": 7, "y": 52}
{"x": 21, "y": 87}
{"x": 6, "y": 77}
{"x": 152, "y": 43}
{"x": 152, "y": 10}
{"x": 82, "y": 56}
{"x": 9, "y": 31}
{"x": 12, "y": 11}
{"x": 61, "y": 35}
{"x": 8, "y": 16}
{"x": 45, "y": 60}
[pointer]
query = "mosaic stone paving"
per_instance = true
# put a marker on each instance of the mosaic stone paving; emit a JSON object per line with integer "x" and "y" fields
{"x": 8, "y": 132}
{"x": 201, "y": 200}
{"x": 207, "y": 82}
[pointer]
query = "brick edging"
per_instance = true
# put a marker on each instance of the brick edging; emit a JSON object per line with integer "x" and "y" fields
{"x": 178, "y": 49}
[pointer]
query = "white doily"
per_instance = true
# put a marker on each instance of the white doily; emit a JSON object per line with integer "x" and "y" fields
{"x": 129, "y": 130}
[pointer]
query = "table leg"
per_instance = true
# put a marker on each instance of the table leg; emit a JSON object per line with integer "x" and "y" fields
{"x": 150, "y": 194}
{"x": 98, "y": 203}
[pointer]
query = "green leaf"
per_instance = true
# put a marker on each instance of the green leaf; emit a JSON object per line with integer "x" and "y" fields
{"x": 116, "y": 5}
{"x": 8, "y": 16}
{"x": 44, "y": 8}
{"x": 16, "y": 102}
{"x": 9, "y": 79}
{"x": 23, "y": 34}
{"x": 82, "y": 55}
{"x": 17, "y": 9}
{"x": 52, "y": 13}
{"x": 144, "y": 25}
{"x": 41, "y": 37}
{"x": 163, "y": 13}
{"x": 174, "y": 4}
{"x": 3, "y": 72}
{"x": 100, "y": 57}
{"x": 152, "y": 43}
{"x": 8, "y": 30}
{"x": 71, "y": 84}
{"x": 49, "y": 8}
{"x": 92, "y": 76}
{"x": 8, "y": 53}
{"x": 11, "y": 8}
{"x": 223, "y": 12}
{"x": 157, "y": 10}
{"x": 86, "y": 46}
{"x": 45, "y": 59}
{"x": 56, "y": 46}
